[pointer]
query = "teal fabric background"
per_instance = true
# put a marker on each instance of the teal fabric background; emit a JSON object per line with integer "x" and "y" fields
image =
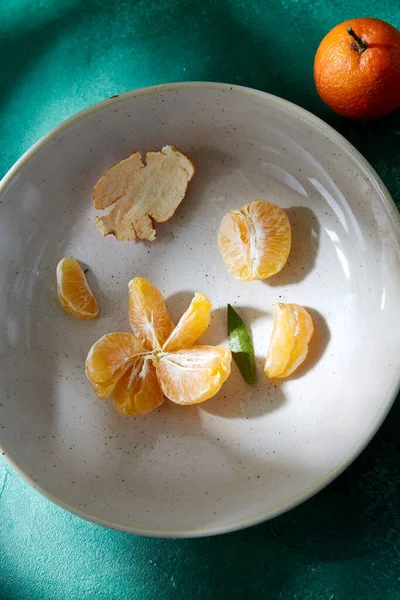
{"x": 58, "y": 57}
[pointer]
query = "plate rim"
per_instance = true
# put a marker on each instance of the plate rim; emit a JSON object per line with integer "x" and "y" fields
{"x": 388, "y": 206}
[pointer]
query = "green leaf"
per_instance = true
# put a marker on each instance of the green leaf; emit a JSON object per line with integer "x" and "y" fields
{"x": 241, "y": 346}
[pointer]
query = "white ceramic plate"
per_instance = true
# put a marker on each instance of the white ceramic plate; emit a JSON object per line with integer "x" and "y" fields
{"x": 252, "y": 452}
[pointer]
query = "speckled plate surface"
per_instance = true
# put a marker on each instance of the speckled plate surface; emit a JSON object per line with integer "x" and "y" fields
{"x": 252, "y": 451}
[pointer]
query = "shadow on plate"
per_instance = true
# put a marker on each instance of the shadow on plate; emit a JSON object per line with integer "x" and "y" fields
{"x": 211, "y": 166}
{"x": 239, "y": 400}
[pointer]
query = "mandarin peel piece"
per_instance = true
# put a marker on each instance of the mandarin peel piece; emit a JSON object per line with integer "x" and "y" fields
{"x": 140, "y": 192}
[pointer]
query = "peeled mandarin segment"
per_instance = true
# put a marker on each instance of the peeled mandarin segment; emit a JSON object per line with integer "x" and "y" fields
{"x": 194, "y": 375}
{"x": 148, "y": 313}
{"x": 271, "y": 243}
{"x": 191, "y": 326}
{"x": 291, "y": 334}
{"x": 234, "y": 245}
{"x": 138, "y": 391}
{"x": 304, "y": 332}
{"x": 255, "y": 241}
{"x": 282, "y": 340}
{"x": 73, "y": 290}
{"x": 105, "y": 389}
{"x": 110, "y": 353}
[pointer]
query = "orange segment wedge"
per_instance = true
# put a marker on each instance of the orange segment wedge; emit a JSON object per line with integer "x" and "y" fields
{"x": 148, "y": 313}
{"x": 138, "y": 391}
{"x": 104, "y": 389}
{"x": 193, "y": 375}
{"x": 191, "y": 326}
{"x": 110, "y": 354}
{"x": 292, "y": 332}
{"x": 73, "y": 290}
{"x": 254, "y": 242}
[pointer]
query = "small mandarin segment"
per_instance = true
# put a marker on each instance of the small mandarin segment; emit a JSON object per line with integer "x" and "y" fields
{"x": 193, "y": 375}
{"x": 104, "y": 389}
{"x": 138, "y": 391}
{"x": 191, "y": 326}
{"x": 282, "y": 340}
{"x": 304, "y": 333}
{"x": 255, "y": 241}
{"x": 291, "y": 334}
{"x": 148, "y": 313}
{"x": 110, "y": 354}
{"x": 234, "y": 245}
{"x": 73, "y": 290}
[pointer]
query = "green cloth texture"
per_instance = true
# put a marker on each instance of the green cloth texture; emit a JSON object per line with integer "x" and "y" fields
{"x": 60, "y": 56}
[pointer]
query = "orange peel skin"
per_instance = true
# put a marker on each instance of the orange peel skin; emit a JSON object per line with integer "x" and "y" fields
{"x": 140, "y": 192}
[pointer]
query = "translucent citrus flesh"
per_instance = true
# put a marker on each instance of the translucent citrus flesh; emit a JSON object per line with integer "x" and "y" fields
{"x": 193, "y": 375}
{"x": 111, "y": 354}
{"x": 138, "y": 392}
{"x": 138, "y": 372}
{"x": 73, "y": 290}
{"x": 191, "y": 326}
{"x": 292, "y": 332}
{"x": 254, "y": 242}
{"x": 104, "y": 389}
{"x": 148, "y": 313}
{"x": 305, "y": 330}
{"x": 234, "y": 245}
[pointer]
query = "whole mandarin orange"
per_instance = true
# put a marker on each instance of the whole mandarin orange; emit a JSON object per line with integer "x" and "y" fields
{"x": 357, "y": 69}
